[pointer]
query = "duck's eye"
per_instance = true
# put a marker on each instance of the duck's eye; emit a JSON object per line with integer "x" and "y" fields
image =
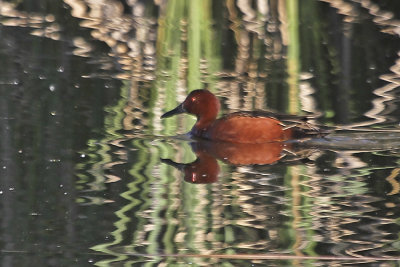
{"x": 193, "y": 99}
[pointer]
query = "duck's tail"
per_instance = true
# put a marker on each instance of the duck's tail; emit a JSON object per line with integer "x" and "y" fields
{"x": 307, "y": 130}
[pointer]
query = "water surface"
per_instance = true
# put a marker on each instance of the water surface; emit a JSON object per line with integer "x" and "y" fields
{"x": 90, "y": 174}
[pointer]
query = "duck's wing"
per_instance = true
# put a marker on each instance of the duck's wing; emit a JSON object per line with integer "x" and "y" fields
{"x": 277, "y": 116}
{"x": 300, "y": 124}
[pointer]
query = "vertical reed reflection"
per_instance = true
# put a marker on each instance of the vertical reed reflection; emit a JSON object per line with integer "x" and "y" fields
{"x": 254, "y": 55}
{"x": 280, "y": 208}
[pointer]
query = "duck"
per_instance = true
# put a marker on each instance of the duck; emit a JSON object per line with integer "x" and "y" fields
{"x": 250, "y": 127}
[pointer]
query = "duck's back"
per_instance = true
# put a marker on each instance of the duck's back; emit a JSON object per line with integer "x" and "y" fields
{"x": 241, "y": 128}
{"x": 259, "y": 127}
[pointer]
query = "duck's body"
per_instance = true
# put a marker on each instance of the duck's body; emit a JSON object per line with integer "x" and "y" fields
{"x": 240, "y": 127}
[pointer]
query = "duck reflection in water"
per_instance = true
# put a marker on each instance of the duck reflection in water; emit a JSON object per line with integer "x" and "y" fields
{"x": 241, "y": 138}
{"x": 205, "y": 169}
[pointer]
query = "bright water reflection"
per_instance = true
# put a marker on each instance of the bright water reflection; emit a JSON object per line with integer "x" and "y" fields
{"x": 341, "y": 203}
{"x": 90, "y": 173}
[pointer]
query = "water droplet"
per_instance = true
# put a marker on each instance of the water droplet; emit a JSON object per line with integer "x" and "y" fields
{"x": 83, "y": 155}
{"x": 15, "y": 82}
{"x": 1, "y": 192}
{"x": 76, "y": 85}
{"x": 65, "y": 193}
{"x": 42, "y": 77}
{"x": 34, "y": 214}
{"x": 20, "y": 151}
{"x": 52, "y": 87}
{"x": 61, "y": 185}
{"x": 4, "y": 167}
{"x": 54, "y": 160}
{"x": 60, "y": 69}
{"x": 53, "y": 113}
{"x": 11, "y": 189}
{"x": 90, "y": 260}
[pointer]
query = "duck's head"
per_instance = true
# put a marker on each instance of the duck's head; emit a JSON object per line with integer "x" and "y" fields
{"x": 201, "y": 103}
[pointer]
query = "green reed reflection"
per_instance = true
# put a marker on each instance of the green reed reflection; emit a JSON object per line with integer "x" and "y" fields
{"x": 318, "y": 55}
{"x": 186, "y": 51}
{"x": 246, "y": 210}
{"x": 293, "y": 61}
{"x": 80, "y": 164}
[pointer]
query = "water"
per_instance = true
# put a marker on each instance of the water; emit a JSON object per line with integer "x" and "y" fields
{"x": 90, "y": 174}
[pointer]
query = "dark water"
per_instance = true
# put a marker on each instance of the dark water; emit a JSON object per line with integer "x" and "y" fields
{"x": 90, "y": 174}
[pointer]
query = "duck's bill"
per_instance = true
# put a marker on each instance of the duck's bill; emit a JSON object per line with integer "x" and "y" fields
{"x": 179, "y": 166}
{"x": 179, "y": 109}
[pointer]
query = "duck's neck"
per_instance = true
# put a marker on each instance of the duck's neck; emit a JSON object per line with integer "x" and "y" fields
{"x": 206, "y": 116}
{"x": 203, "y": 124}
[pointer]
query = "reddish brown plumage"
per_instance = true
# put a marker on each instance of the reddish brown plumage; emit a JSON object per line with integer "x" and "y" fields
{"x": 240, "y": 127}
{"x": 205, "y": 168}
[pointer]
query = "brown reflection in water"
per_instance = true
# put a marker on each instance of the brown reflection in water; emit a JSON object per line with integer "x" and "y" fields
{"x": 131, "y": 37}
{"x": 205, "y": 168}
{"x": 259, "y": 31}
{"x": 133, "y": 40}
{"x": 393, "y": 182}
{"x": 41, "y": 25}
{"x": 342, "y": 215}
{"x": 385, "y": 101}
